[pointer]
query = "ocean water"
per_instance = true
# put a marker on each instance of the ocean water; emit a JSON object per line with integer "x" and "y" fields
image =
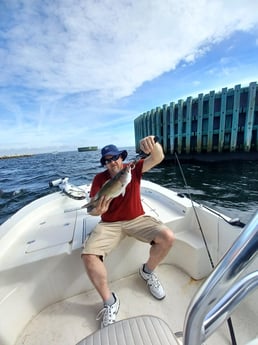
{"x": 230, "y": 187}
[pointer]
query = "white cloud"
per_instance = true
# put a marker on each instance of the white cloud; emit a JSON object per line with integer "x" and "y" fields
{"x": 65, "y": 62}
{"x": 112, "y": 47}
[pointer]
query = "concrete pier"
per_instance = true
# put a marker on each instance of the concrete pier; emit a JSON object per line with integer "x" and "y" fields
{"x": 214, "y": 124}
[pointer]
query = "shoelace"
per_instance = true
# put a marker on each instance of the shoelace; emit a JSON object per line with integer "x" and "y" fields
{"x": 101, "y": 313}
{"x": 105, "y": 314}
{"x": 153, "y": 280}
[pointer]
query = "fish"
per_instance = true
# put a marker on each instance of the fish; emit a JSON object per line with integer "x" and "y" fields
{"x": 112, "y": 188}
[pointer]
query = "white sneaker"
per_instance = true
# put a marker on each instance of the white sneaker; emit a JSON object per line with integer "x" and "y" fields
{"x": 108, "y": 313}
{"x": 153, "y": 283}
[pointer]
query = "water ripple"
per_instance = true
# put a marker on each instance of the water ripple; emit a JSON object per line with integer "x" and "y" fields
{"x": 230, "y": 187}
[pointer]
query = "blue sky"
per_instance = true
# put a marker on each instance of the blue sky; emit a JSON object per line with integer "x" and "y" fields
{"x": 78, "y": 72}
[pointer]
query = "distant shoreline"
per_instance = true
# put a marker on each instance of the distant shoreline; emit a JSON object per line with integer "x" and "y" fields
{"x": 16, "y": 156}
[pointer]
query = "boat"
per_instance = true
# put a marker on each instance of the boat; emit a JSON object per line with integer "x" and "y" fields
{"x": 87, "y": 148}
{"x": 210, "y": 275}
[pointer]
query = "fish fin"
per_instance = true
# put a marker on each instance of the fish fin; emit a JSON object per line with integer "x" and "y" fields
{"x": 105, "y": 183}
{"x": 123, "y": 192}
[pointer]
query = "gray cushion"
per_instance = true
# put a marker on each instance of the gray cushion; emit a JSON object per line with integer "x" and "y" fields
{"x": 141, "y": 330}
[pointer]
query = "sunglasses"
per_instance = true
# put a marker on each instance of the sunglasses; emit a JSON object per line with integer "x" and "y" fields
{"x": 112, "y": 159}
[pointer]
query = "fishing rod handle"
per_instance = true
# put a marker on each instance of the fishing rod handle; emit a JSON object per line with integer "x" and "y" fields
{"x": 143, "y": 154}
{"x": 156, "y": 139}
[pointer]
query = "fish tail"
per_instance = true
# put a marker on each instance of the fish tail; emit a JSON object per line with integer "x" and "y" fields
{"x": 90, "y": 207}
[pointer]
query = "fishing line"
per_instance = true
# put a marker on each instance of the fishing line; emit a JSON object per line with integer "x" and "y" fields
{"x": 196, "y": 215}
{"x": 229, "y": 321}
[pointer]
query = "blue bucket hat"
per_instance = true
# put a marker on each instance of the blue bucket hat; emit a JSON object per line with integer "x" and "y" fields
{"x": 111, "y": 150}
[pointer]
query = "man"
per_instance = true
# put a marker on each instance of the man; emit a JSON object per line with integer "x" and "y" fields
{"x": 121, "y": 216}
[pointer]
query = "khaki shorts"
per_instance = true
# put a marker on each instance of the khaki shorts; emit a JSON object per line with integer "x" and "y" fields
{"x": 106, "y": 236}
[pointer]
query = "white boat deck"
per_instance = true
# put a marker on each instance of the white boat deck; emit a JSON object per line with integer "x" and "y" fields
{"x": 71, "y": 320}
{"x": 46, "y": 297}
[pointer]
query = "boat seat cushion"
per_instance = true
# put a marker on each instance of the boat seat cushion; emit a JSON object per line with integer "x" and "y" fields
{"x": 140, "y": 330}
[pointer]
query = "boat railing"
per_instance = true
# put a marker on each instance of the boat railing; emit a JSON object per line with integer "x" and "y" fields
{"x": 224, "y": 289}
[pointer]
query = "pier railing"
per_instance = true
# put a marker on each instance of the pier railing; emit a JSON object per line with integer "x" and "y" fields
{"x": 225, "y": 121}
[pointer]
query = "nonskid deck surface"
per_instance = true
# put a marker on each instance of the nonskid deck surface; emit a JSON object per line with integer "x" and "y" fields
{"x": 71, "y": 320}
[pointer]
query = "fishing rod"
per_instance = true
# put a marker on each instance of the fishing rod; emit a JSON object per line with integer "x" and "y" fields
{"x": 229, "y": 321}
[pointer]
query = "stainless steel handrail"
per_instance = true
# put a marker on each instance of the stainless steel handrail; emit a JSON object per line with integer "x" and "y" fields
{"x": 223, "y": 290}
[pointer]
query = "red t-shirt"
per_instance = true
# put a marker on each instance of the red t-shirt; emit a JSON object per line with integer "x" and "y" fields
{"x": 125, "y": 207}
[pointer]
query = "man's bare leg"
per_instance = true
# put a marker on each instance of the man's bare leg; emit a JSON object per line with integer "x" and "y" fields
{"x": 97, "y": 273}
{"x": 160, "y": 248}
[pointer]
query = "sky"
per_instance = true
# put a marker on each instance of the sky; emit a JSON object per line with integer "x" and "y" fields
{"x": 79, "y": 72}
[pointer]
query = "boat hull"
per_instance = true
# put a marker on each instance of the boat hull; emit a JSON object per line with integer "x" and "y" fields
{"x": 40, "y": 251}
